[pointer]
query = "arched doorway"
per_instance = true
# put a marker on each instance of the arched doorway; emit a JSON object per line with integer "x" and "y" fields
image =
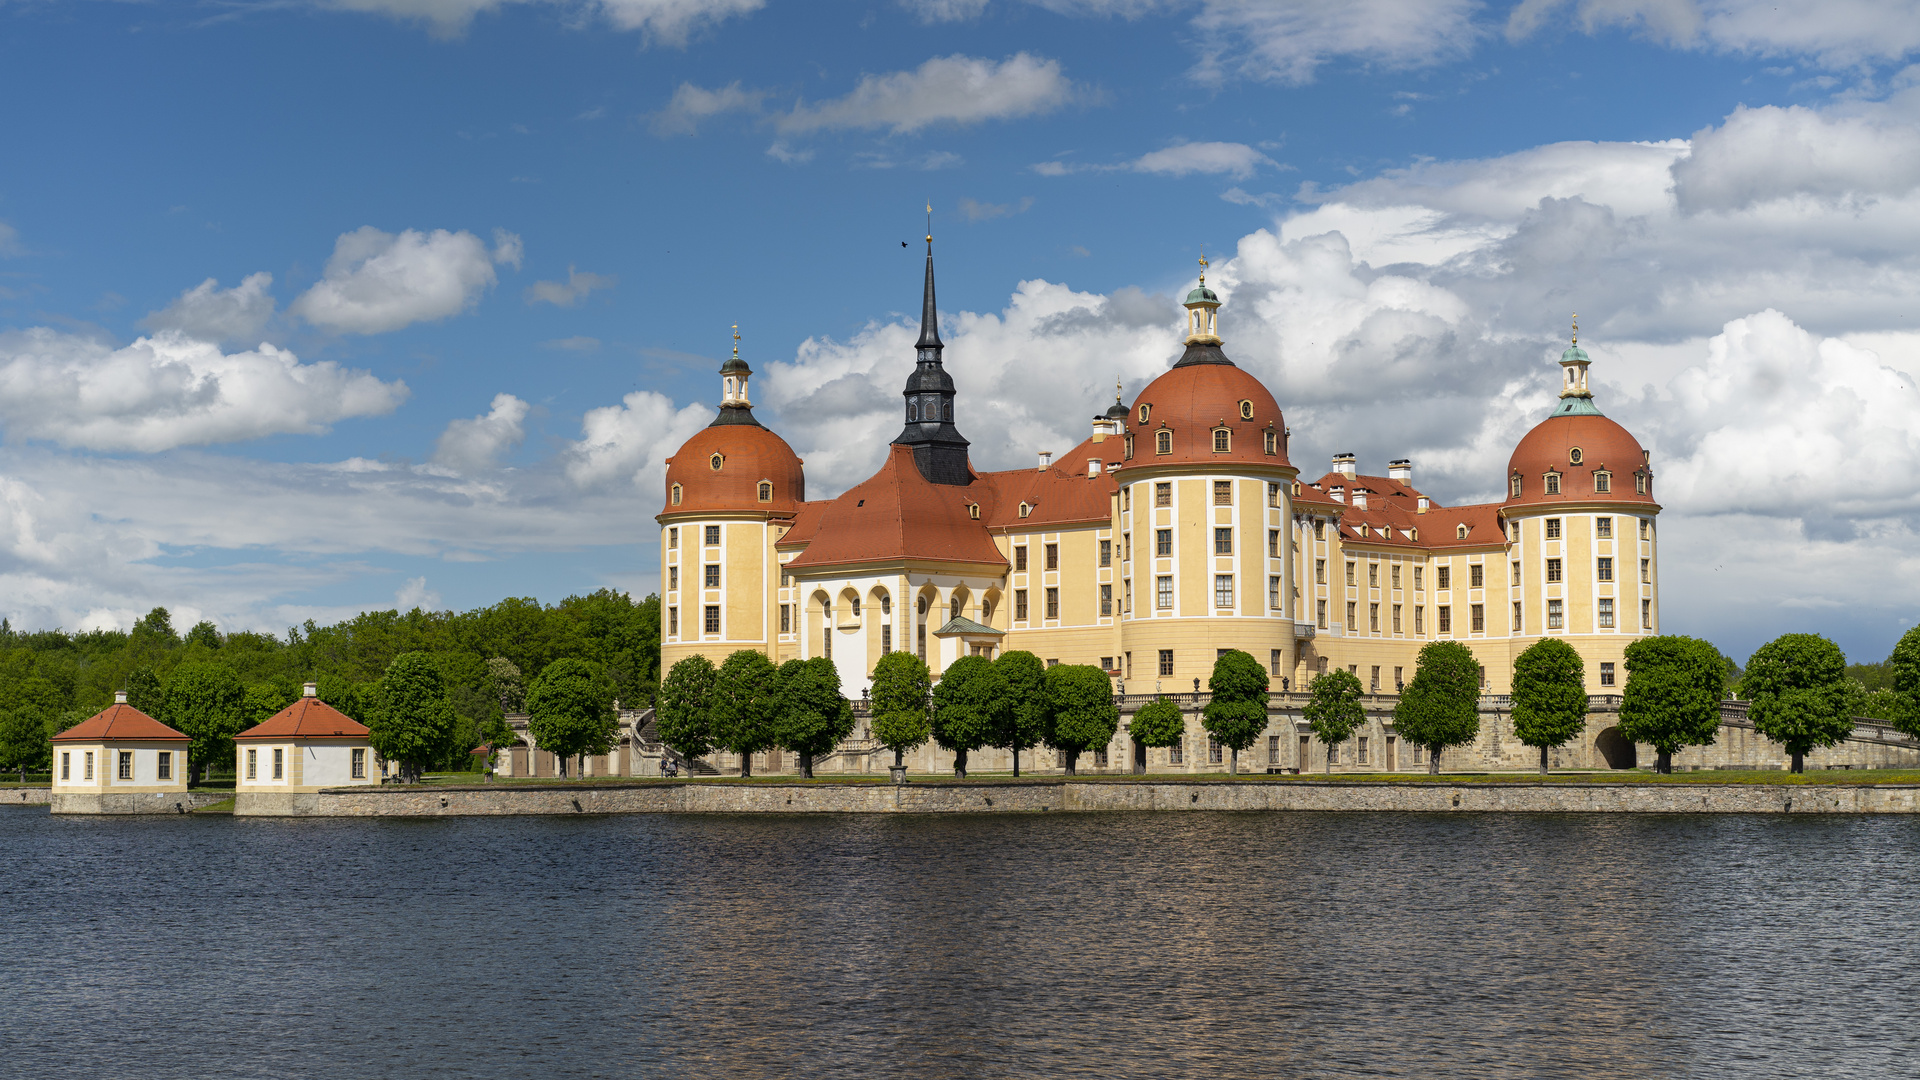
{"x": 1616, "y": 749}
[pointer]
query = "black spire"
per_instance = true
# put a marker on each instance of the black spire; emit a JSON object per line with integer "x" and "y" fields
{"x": 939, "y": 450}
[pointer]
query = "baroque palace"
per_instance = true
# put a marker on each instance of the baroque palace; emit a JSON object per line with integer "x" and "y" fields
{"x": 1177, "y": 529}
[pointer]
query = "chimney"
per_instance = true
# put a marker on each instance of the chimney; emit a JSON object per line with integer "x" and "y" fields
{"x": 1046, "y": 459}
{"x": 1344, "y": 465}
{"x": 119, "y": 697}
{"x": 1338, "y": 493}
{"x": 1093, "y": 467}
{"x": 1102, "y": 427}
{"x": 1360, "y": 497}
{"x": 1401, "y": 470}
{"x": 310, "y": 690}
{"x": 1423, "y": 504}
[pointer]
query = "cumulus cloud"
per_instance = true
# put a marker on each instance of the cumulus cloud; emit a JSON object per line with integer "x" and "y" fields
{"x": 1183, "y": 159}
{"x": 415, "y": 594}
{"x": 670, "y": 22}
{"x": 207, "y": 312}
{"x": 626, "y": 446}
{"x": 171, "y": 390}
{"x": 569, "y": 292}
{"x": 377, "y": 281}
{"x": 945, "y": 90}
{"x": 692, "y": 105}
{"x": 476, "y": 444}
{"x": 1769, "y": 153}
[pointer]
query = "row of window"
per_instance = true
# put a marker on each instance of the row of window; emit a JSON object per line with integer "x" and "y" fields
{"x": 1222, "y": 441}
{"x": 1602, "y": 483}
{"x": 163, "y": 765}
{"x": 712, "y": 537}
{"x": 1556, "y": 616}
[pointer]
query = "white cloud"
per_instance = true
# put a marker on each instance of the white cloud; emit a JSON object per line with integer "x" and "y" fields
{"x": 475, "y": 445}
{"x": 1182, "y": 159}
{"x": 415, "y": 594}
{"x": 170, "y": 390}
{"x": 692, "y": 105}
{"x": 626, "y": 446}
{"x": 1768, "y": 153}
{"x": 670, "y": 22}
{"x": 207, "y": 312}
{"x": 507, "y": 248}
{"x": 936, "y": 11}
{"x": 975, "y": 210}
{"x": 10, "y": 245}
{"x": 1289, "y": 40}
{"x": 569, "y": 292}
{"x": 945, "y": 90}
{"x": 378, "y": 281}
{"x": 1838, "y": 33}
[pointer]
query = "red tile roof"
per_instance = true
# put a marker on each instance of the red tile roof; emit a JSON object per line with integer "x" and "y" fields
{"x": 308, "y": 718}
{"x": 1604, "y": 446}
{"x": 1191, "y": 400}
{"x": 749, "y": 454}
{"x": 1061, "y": 494}
{"x": 897, "y": 514}
{"x": 123, "y": 723}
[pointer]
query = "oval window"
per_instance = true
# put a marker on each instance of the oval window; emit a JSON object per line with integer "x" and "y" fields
{"x": 1246, "y": 410}
{"x": 1574, "y": 455}
{"x": 715, "y": 461}
{"x": 1145, "y": 411}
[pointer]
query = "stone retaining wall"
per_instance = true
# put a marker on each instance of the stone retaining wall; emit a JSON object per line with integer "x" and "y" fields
{"x": 127, "y": 802}
{"x": 25, "y": 796}
{"x": 1072, "y": 796}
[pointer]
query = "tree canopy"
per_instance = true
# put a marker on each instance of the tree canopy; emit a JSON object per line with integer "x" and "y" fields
{"x": 901, "y": 685}
{"x": 1334, "y": 710}
{"x": 1549, "y": 696}
{"x": 681, "y": 715}
{"x": 970, "y": 708}
{"x": 1799, "y": 694}
{"x": 811, "y": 716}
{"x": 1441, "y": 706}
{"x": 1237, "y": 713}
{"x": 1158, "y": 723}
{"x": 206, "y": 702}
{"x": 741, "y": 712}
{"x": 570, "y": 710}
{"x": 1023, "y": 725}
{"x": 1904, "y": 682}
{"x": 1084, "y": 717}
{"x": 412, "y": 722}
{"x": 1672, "y": 699}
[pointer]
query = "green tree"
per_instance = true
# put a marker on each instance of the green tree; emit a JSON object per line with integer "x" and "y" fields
{"x": 1800, "y": 695}
{"x": 811, "y": 716}
{"x": 205, "y": 702}
{"x": 262, "y": 701}
{"x": 970, "y": 708}
{"x": 1157, "y": 723}
{"x": 901, "y": 686}
{"x": 1549, "y": 696}
{"x": 682, "y": 714}
{"x": 1904, "y": 681}
{"x": 1083, "y": 714}
{"x": 144, "y": 692}
{"x": 413, "y": 722}
{"x": 1440, "y": 707}
{"x": 1237, "y": 712}
{"x": 204, "y": 634}
{"x": 1673, "y": 693}
{"x": 570, "y": 710}
{"x": 497, "y": 736}
{"x": 25, "y": 742}
{"x": 509, "y": 685}
{"x": 1334, "y": 710}
{"x": 1023, "y": 724}
{"x": 743, "y": 706}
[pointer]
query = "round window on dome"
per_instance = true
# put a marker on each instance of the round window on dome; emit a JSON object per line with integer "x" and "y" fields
{"x": 1246, "y": 410}
{"x": 715, "y": 462}
{"x": 1574, "y": 456}
{"x": 1145, "y": 411}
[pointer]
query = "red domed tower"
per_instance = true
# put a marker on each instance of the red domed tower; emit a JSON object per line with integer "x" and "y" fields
{"x": 1579, "y": 517}
{"x": 732, "y": 492}
{"x": 1205, "y": 515}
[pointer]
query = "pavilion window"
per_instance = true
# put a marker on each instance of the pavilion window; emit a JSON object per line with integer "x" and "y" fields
{"x": 279, "y": 763}
{"x": 1272, "y": 443}
{"x": 1553, "y": 483}
{"x": 87, "y": 764}
{"x": 359, "y": 764}
{"x": 126, "y": 764}
{"x": 163, "y": 765}
{"x": 253, "y": 764}
{"x": 1603, "y": 482}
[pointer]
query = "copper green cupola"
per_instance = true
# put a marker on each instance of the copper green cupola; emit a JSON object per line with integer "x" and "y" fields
{"x": 1576, "y": 397}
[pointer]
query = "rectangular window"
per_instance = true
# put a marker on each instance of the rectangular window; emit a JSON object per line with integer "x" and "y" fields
{"x": 673, "y": 539}
{"x": 1106, "y": 553}
{"x": 1273, "y": 593}
{"x": 1320, "y": 571}
{"x": 713, "y": 619}
{"x": 1223, "y": 590}
{"x": 87, "y": 765}
{"x": 1353, "y": 624}
{"x": 1477, "y": 576}
{"x": 1445, "y": 625}
{"x": 1373, "y": 679}
{"x": 1553, "y": 570}
{"x": 1603, "y": 482}
{"x": 1444, "y": 577}
{"x": 786, "y": 618}
{"x": 1126, "y": 544}
{"x": 1646, "y": 570}
{"x": 253, "y": 764}
{"x": 713, "y": 576}
{"x": 126, "y": 764}
{"x": 1373, "y": 575}
{"x": 1419, "y": 621}
{"x": 1273, "y": 490}
{"x": 1553, "y": 483}
{"x": 1477, "y": 615}
{"x": 1513, "y": 577}
{"x": 1163, "y": 593}
{"x": 1360, "y": 746}
{"x": 1603, "y": 569}
{"x": 1646, "y": 614}
{"x": 1351, "y": 579}
{"x": 1396, "y": 618}
{"x": 359, "y": 764}
{"x": 1606, "y": 673}
{"x": 1556, "y": 614}
{"x": 713, "y": 535}
{"x": 1646, "y": 529}
{"x": 1020, "y": 559}
{"x": 1127, "y": 601}
{"x": 1519, "y": 624}
{"x": 673, "y": 578}
{"x": 673, "y": 620}
{"x": 1213, "y": 751}
{"x": 886, "y": 638}
{"x": 1053, "y": 603}
{"x": 1223, "y": 493}
{"x": 1106, "y": 599}
{"x": 1553, "y": 528}
{"x": 1606, "y": 613}
{"x": 279, "y": 763}
{"x": 786, "y": 579}
{"x": 1163, "y": 542}
{"x": 1273, "y": 661}
{"x": 1417, "y": 586}
{"x": 1319, "y": 529}
{"x": 1273, "y": 749}
{"x": 1020, "y": 604}
{"x": 1640, "y": 483}
{"x": 1273, "y": 543}
{"x": 1163, "y": 494}
{"x": 1223, "y": 541}
{"x": 1176, "y": 755}
{"x": 1053, "y": 556}
{"x": 1166, "y": 661}
{"x": 1373, "y": 618}
{"x": 164, "y": 765}
{"x": 1396, "y": 576}
{"x": 66, "y": 765}
{"x": 1603, "y": 528}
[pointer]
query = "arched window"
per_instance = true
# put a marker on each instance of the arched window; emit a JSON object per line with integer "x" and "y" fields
{"x": 973, "y": 511}
{"x": 1460, "y": 532}
{"x": 715, "y": 462}
{"x": 1025, "y": 509}
{"x": 946, "y": 410}
{"x": 913, "y": 413}
{"x": 676, "y": 494}
{"x": 766, "y": 491}
{"x": 1163, "y": 442}
{"x": 1222, "y": 440}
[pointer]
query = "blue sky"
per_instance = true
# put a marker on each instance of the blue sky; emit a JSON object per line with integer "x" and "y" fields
{"x": 472, "y": 264}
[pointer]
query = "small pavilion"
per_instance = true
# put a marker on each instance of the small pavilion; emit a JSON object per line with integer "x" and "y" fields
{"x": 304, "y": 747}
{"x": 118, "y": 761}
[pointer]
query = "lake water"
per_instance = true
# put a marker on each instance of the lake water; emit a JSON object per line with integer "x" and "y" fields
{"x": 1151, "y": 945}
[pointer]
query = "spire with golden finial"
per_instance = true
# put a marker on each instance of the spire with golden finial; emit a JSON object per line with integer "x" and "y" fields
{"x": 1576, "y": 328}
{"x": 1203, "y": 268}
{"x": 733, "y": 376}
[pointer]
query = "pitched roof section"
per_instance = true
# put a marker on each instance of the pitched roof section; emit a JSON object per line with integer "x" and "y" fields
{"x": 960, "y": 624}
{"x": 308, "y": 718}
{"x": 1057, "y": 495}
{"x": 120, "y": 723}
{"x": 897, "y": 514}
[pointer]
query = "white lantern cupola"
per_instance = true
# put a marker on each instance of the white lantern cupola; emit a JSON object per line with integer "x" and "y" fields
{"x": 1203, "y": 311}
{"x": 733, "y": 377}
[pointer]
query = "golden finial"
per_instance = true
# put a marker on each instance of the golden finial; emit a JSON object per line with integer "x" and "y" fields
{"x": 736, "y": 341}
{"x": 1576, "y": 328}
{"x": 929, "y": 221}
{"x": 1118, "y": 390}
{"x": 1203, "y": 269}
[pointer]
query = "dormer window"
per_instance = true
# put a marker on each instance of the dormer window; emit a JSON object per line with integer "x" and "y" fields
{"x": 1575, "y": 456}
{"x": 1640, "y": 484}
{"x": 1514, "y": 486}
{"x": 973, "y": 511}
{"x": 1414, "y": 535}
{"x": 1145, "y": 412}
{"x": 715, "y": 462}
{"x": 1553, "y": 483}
{"x": 1222, "y": 440}
{"x": 766, "y": 491}
{"x": 1603, "y": 482}
{"x": 1273, "y": 442}
{"x": 1460, "y": 531}
{"x": 1025, "y": 509}
{"x": 1246, "y": 410}
{"x": 1163, "y": 442}
{"x": 1129, "y": 446}
{"x": 676, "y": 494}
